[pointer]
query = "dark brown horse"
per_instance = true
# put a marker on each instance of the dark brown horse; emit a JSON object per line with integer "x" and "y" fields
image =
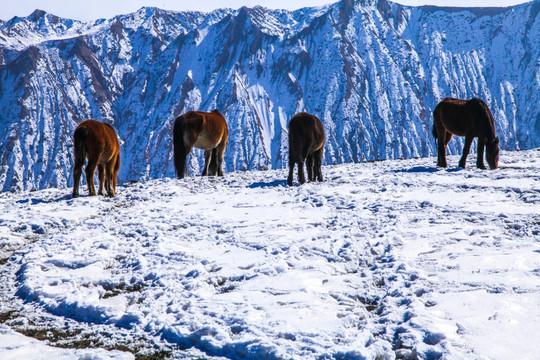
{"x": 96, "y": 141}
{"x": 469, "y": 118}
{"x": 203, "y": 130}
{"x": 306, "y": 144}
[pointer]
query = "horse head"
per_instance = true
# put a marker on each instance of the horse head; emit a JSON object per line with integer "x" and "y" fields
{"x": 492, "y": 153}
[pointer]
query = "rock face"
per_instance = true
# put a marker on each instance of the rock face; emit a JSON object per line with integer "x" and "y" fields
{"x": 372, "y": 71}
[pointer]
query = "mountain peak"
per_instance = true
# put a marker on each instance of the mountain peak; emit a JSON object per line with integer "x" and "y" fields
{"x": 354, "y": 3}
{"x": 37, "y": 15}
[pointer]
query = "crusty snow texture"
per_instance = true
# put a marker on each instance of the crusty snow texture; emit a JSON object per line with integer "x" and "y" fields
{"x": 385, "y": 259}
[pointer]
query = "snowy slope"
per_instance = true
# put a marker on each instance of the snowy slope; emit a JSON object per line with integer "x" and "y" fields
{"x": 382, "y": 260}
{"x": 372, "y": 71}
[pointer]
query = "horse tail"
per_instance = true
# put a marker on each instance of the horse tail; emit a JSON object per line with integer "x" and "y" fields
{"x": 117, "y": 165}
{"x": 435, "y": 120}
{"x": 295, "y": 141}
{"x": 179, "y": 146}
{"x": 79, "y": 143}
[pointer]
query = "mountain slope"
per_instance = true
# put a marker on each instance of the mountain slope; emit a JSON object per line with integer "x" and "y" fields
{"x": 372, "y": 71}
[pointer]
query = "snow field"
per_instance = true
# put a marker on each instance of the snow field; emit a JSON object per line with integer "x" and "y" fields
{"x": 382, "y": 260}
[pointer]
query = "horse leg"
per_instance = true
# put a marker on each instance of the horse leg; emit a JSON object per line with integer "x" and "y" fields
{"x": 220, "y": 151}
{"x": 114, "y": 175}
{"x": 480, "y": 155}
{"x": 102, "y": 175}
{"x": 309, "y": 165}
{"x": 301, "y": 176}
{"x": 291, "y": 170}
{"x": 441, "y": 147}
{"x": 108, "y": 184}
{"x": 77, "y": 172}
{"x": 90, "y": 170}
{"x": 466, "y": 149}
{"x": 318, "y": 164}
{"x": 108, "y": 178}
{"x": 207, "y": 159}
{"x": 213, "y": 168}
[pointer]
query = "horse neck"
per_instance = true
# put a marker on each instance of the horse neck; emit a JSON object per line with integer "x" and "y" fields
{"x": 486, "y": 125}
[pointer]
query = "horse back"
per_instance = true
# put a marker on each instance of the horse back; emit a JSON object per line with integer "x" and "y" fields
{"x": 465, "y": 117}
{"x": 216, "y": 121}
{"x": 307, "y": 129}
{"x": 453, "y": 115}
{"x": 100, "y": 138}
{"x": 209, "y": 129}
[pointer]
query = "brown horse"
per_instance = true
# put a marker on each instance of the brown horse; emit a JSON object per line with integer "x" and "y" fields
{"x": 306, "y": 144}
{"x": 469, "y": 118}
{"x": 96, "y": 141}
{"x": 203, "y": 130}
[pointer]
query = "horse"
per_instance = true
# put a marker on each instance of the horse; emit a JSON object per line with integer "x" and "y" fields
{"x": 306, "y": 144}
{"x": 203, "y": 130}
{"x": 98, "y": 142}
{"x": 469, "y": 118}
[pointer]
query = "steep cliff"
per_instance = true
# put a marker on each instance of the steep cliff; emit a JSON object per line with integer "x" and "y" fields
{"x": 372, "y": 71}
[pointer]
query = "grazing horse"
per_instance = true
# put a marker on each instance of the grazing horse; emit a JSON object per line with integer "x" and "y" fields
{"x": 98, "y": 142}
{"x": 203, "y": 130}
{"x": 306, "y": 144}
{"x": 469, "y": 118}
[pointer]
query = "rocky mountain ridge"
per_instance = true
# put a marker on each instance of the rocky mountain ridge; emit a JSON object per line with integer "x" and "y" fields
{"x": 371, "y": 70}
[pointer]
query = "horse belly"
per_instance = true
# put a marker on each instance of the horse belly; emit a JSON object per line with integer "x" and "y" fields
{"x": 455, "y": 127}
{"x": 457, "y": 131}
{"x": 205, "y": 143}
{"x": 455, "y": 120}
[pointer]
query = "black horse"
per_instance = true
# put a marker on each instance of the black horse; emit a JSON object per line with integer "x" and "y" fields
{"x": 469, "y": 118}
{"x": 306, "y": 144}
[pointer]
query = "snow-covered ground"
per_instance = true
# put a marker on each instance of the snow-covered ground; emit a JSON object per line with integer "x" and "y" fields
{"x": 382, "y": 260}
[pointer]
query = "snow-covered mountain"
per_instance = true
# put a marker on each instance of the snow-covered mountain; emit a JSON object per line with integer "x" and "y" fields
{"x": 371, "y": 70}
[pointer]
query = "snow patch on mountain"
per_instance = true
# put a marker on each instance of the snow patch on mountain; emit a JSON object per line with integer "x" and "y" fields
{"x": 371, "y": 70}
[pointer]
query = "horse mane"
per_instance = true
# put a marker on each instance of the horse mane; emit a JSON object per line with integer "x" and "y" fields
{"x": 484, "y": 112}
